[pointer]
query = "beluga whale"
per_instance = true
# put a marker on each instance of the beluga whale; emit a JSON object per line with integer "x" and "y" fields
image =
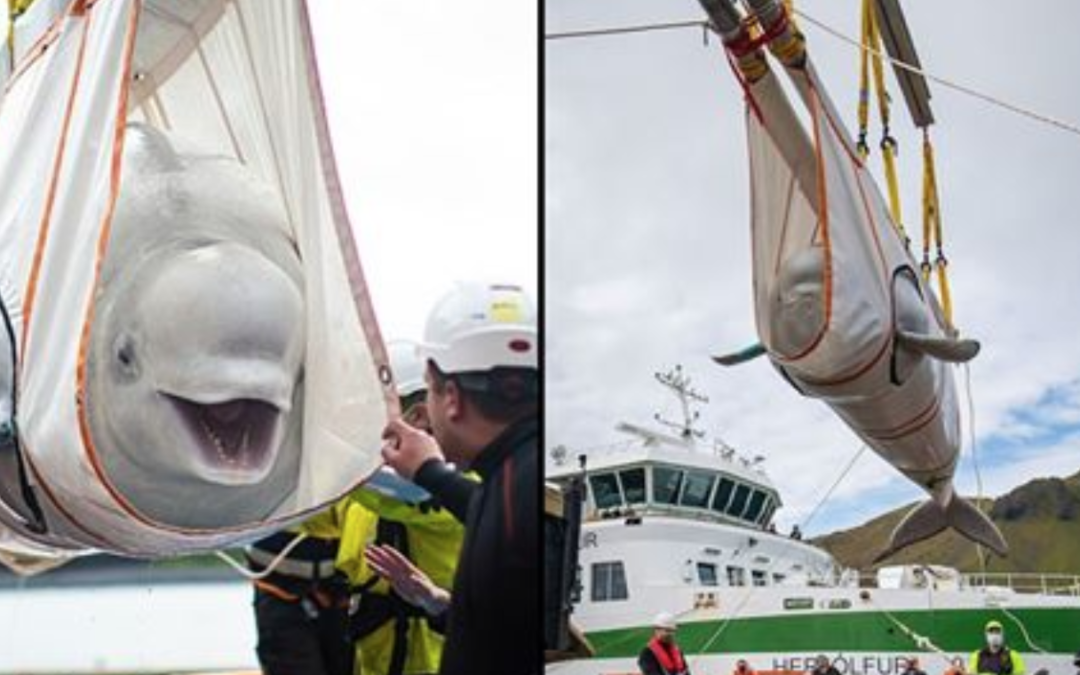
{"x": 195, "y": 361}
{"x": 842, "y": 309}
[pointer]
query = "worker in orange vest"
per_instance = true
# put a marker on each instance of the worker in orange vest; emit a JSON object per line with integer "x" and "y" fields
{"x": 662, "y": 656}
{"x": 742, "y": 668}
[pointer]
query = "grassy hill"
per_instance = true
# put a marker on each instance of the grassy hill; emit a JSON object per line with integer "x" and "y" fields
{"x": 1040, "y": 520}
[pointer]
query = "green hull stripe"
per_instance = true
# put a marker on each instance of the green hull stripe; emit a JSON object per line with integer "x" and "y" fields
{"x": 1055, "y": 630}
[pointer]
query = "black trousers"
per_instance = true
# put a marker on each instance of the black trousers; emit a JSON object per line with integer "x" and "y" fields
{"x": 293, "y": 643}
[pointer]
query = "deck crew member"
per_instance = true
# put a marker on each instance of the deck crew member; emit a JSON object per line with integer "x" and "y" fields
{"x": 743, "y": 668}
{"x": 996, "y": 657}
{"x": 480, "y": 350}
{"x": 912, "y": 667}
{"x": 824, "y": 667}
{"x": 398, "y": 630}
{"x": 661, "y": 656}
{"x": 302, "y": 607}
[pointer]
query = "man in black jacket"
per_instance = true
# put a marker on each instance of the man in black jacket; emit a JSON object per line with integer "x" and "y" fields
{"x": 823, "y": 667}
{"x": 483, "y": 394}
{"x": 912, "y": 667}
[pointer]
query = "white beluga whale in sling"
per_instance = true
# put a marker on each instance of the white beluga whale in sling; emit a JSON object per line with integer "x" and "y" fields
{"x": 195, "y": 361}
{"x": 842, "y": 311}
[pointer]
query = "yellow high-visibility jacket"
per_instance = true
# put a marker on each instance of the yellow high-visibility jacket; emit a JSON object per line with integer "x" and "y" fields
{"x": 1012, "y": 655}
{"x": 433, "y": 540}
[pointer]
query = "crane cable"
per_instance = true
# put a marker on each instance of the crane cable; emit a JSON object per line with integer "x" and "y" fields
{"x": 989, "y": 99}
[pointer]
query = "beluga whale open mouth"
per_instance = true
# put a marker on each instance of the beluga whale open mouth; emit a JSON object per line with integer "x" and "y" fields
{"x": 235, "y": 440}
{"x": 195, "y": 380}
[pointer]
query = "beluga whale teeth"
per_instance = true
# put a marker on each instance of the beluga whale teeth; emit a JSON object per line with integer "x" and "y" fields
{"x": 195, "y": 377}
{"x": 234, "y": 439}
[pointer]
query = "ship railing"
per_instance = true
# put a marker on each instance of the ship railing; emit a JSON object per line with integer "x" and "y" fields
{"x": 1025, "y": 582}
{"x": 1017, "y": 582}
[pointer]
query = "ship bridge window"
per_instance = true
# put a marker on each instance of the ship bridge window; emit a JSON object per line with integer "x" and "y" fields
{"x": 666, "y": 483}
{"x": 738, "y": 502}
{"x": 706, "y": 573}
{"x": 633, "y": 485}
{"x": 760, "y": 577}
{"x": 768, "y": 511}
{"x": 696, "y": 491}
{"x": 756, "y": 502}
{"x": 723, "y": 494}
{"x": 736, "y": 576}
{"x": 608, "y": 581}
{"x": 605, "y": 489}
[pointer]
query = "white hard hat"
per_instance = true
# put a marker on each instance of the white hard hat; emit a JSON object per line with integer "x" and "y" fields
{"x": 480, "y": 326}
{"x": 406, "y": 366}
{"x": 665, "y": 620}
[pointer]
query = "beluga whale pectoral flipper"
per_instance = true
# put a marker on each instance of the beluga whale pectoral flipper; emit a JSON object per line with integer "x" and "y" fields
{"x": 841, "y": 308}
{"x": 195, "y": 373}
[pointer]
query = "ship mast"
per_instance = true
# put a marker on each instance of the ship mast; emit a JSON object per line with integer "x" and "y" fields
{"x": 679, "y": 384}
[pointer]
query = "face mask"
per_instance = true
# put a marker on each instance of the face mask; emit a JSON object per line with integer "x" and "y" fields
{"x": 994, "y": 640}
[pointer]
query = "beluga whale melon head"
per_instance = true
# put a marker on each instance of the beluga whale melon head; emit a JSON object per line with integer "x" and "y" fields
{"x": 194, "y": 393}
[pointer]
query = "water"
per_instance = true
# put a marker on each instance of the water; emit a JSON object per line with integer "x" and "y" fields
{"x": 138, "y": 626}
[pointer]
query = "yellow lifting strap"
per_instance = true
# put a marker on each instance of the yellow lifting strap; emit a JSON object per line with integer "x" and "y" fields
{"x": 15, "y": 10}
{"x": 932, "y": 231}
{"x": 870, "y": 59}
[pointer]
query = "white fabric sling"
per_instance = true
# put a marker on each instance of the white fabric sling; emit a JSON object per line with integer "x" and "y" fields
{"x": 236, "y": 77}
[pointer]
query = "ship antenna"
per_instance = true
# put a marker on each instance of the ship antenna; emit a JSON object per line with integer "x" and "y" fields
{"x": 679, "y": 384}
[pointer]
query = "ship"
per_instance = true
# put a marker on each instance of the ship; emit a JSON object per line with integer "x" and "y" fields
{"x": 677, "y": 521}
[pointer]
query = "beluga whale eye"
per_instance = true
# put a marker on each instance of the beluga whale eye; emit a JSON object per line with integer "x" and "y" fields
{"x": 125, "y": 355}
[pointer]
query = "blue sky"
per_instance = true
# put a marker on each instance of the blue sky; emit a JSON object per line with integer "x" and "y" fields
{"x": 647, "y": 241}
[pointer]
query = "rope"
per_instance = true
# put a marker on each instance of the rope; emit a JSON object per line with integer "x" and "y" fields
{"x": 986, "y": 98}
{"x": 625, "y": 30}
{"x": 1062, "y": 125}
{"x": 974, "y": 457}
{"x": 1023, "y": 629}
{"x": 256, "y": 576}
{"x": 921, "y": 641}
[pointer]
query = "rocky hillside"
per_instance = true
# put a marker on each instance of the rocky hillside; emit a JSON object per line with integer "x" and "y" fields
{"x": 1040, "y": 520}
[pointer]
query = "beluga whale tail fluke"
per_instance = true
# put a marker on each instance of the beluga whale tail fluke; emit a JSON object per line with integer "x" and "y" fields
{"x": 843, "y": 310}
{"x": 930, "y": 518}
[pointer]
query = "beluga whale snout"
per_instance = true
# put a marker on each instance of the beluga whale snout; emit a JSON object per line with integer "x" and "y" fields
{"x": 230, "y": 380}
{"x": 195, "y": 372}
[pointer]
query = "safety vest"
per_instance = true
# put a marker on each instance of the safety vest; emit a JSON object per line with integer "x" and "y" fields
{"x": 307, "y": 573}
{"x": 392, "y": 636}
{"x": 669, "y": 657}
{"x": 1004, "y": 662}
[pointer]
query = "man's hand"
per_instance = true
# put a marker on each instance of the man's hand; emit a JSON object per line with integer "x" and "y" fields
{"x": 408, "y": 580}
{"x": 406, "y": 448}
